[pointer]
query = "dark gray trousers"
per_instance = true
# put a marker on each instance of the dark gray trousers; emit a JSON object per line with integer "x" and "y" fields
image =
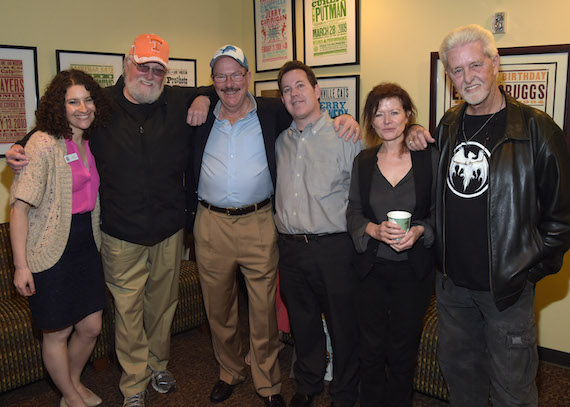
{"x": 485, "y": 351}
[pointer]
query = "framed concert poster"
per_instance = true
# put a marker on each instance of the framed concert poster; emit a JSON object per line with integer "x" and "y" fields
{"x": 268, "y": 89}
{"x": 340, "y": 95}
{"x": 19, "y": 93}
{"x": 104, "y": 67}
{"x": 181, "y": 72}
{"x": 331, "y": 32}
{"x": 537, "y": 76}
{"x": 274, "y": 33}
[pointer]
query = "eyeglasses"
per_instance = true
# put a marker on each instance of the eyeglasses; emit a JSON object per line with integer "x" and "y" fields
{"x": 143, "y": 68}
{"x": 235, "y": 77}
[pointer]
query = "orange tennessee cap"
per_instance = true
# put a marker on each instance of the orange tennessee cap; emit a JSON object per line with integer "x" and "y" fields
{"x": 150, "y": 48}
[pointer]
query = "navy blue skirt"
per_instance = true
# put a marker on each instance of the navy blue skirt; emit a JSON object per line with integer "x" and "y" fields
{"x": 74, "y": 287}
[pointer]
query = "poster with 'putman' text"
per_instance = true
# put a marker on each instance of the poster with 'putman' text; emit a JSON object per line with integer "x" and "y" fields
{"x": 331, "y": 32}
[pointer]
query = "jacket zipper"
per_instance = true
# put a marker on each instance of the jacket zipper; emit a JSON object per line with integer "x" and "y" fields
{"x": 443, "y": 256}
{"x": 489, "y": 218}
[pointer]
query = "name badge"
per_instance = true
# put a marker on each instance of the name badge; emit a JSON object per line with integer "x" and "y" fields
{"x": 69, "y": 158}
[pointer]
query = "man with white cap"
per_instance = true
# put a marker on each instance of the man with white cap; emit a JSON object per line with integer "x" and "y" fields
{"x": 234, "y": 172}
{"x": 142, "y": 211}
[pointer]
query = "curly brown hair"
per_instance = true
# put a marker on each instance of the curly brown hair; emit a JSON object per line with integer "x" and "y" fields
{"x": 50, "y": 115}
{"x": 380, "y": 92}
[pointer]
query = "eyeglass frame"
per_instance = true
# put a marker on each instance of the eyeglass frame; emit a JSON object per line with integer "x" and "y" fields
{"x": 235, "y": 77}
{"x": 144, "y": 68}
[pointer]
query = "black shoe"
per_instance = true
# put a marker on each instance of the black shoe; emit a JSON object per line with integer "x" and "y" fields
{"x": 274, "y": 401}
{"x": 221, "y": 391}
{"x": 302, "y": 400}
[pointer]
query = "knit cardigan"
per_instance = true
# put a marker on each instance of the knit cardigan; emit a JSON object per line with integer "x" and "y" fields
{"x": 46, "y": 185}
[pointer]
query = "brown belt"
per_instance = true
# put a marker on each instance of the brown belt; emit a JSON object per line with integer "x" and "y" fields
{"x": 236, "y": 211}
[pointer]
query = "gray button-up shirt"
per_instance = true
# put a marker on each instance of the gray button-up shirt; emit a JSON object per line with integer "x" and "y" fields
{"x": 313, "y": 178}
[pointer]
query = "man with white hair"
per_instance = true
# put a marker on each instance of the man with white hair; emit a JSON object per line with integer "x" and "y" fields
{"x": 502, "y": 224}
{"x": 143, "y": 211}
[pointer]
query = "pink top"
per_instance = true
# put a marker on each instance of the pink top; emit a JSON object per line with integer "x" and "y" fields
{"x": 85, "y": 181}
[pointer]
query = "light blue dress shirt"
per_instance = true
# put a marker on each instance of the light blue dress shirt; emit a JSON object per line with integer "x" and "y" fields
{"x": 234, "y": 169}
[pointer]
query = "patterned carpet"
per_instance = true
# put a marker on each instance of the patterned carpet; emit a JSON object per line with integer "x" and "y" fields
{"x": 194, "y": 367}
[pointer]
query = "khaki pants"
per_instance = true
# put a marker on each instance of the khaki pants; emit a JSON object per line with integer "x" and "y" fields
{"x": 224, "y": 243}
{"x": 144, "y": 283}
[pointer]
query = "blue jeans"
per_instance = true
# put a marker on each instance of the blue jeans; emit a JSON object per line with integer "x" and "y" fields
{"x": 483, "y": 350}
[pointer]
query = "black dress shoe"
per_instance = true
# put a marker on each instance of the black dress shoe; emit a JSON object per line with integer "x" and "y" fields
{"x": 274, "y": 401}
{"x": 221, "y": 391}
{"x": 302, "y": 400}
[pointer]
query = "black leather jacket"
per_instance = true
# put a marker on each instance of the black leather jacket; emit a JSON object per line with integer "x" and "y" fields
{"x": 528, "y": 199}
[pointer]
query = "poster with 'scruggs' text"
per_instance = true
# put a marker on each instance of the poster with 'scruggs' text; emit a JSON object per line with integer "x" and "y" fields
{"x": 536, "y": 76}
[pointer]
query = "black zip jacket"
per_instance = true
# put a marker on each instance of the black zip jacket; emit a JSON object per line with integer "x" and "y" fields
{"x": 141, "y": 161}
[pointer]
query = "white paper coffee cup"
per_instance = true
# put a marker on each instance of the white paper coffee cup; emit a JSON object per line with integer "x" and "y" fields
{"x": 401, "y": 218}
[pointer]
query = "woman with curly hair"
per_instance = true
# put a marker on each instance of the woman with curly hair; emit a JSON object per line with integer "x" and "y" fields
{"x": 54, "y": 228}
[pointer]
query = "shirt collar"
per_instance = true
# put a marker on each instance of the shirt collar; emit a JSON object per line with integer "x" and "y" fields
{"x": 253, "y": 109}
{"x": 313, "y": 127}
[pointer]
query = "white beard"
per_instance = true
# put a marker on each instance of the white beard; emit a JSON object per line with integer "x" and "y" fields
{"x": 142, "y": 93}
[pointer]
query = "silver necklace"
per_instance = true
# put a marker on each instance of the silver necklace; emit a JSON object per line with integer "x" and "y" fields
{"x": 480, "y": 128}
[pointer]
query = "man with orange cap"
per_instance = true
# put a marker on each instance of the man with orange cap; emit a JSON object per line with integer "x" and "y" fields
{"x": 142, "y": 211}
{"x": 144, "y": 215}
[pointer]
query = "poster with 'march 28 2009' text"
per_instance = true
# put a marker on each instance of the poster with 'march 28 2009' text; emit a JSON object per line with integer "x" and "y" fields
{"x": 331, "y": 32}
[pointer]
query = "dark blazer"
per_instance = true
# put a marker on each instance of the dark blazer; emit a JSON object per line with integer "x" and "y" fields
{"x": 421, "y": 258}
{"x": 273, "y": 118}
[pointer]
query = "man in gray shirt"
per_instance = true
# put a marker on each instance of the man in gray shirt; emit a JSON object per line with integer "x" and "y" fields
{"x": 313, "y": 179}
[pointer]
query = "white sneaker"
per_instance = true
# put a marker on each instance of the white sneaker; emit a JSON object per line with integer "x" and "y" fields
{"x": 163, "y": 381}
{"x": 136, "y": 400}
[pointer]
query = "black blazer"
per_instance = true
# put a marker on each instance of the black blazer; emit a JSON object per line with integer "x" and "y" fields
{"x": 420, "y": 257}
{"x": 273, "y": 118}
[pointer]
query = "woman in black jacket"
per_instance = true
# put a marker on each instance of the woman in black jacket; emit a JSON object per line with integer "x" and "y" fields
{"x": 395, "y": 266}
